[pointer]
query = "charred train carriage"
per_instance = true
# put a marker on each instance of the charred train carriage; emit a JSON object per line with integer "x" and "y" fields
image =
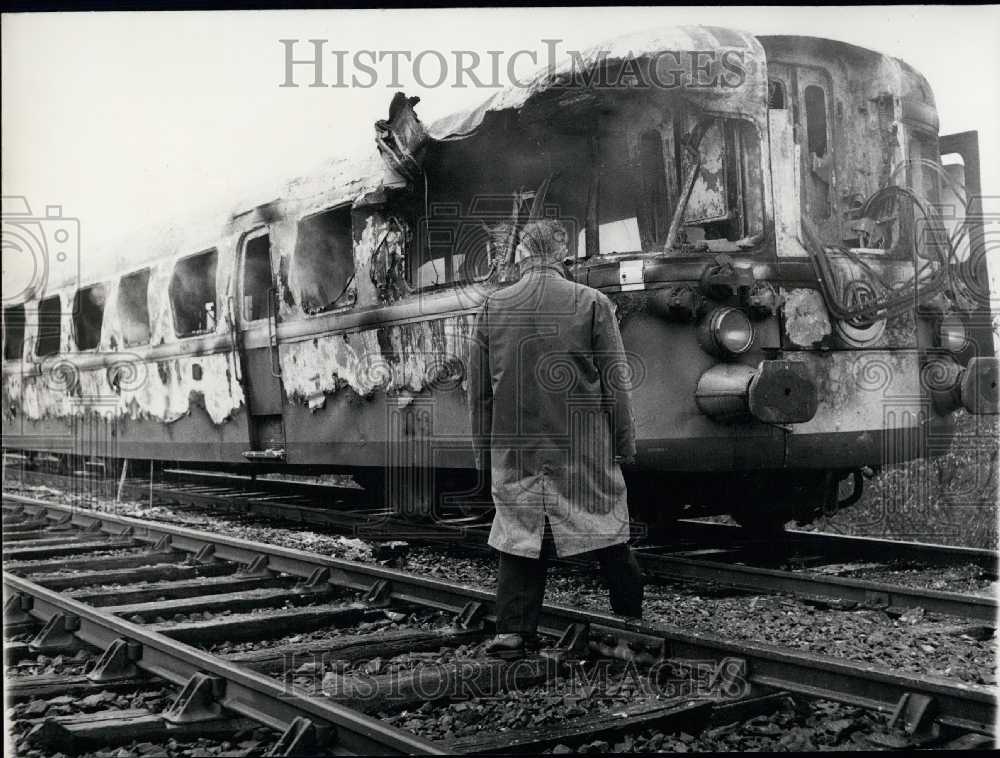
{"x": 799, "y": 281}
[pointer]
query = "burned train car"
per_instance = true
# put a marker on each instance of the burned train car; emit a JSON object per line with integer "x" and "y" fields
{"x": 799, "y": 281}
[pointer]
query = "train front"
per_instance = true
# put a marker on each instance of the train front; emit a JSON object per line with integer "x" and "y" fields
{"x": 799, "y": 282}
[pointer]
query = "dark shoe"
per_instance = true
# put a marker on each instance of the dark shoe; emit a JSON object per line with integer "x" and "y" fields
{"x": 507, "y": 647}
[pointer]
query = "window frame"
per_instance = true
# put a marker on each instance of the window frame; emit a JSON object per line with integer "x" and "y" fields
{"x": 423, "y": 237}
{"x": 24, "y": 331}
{"x": 215, "y": 290}
{"x": 250, "y": 236}
{"x": 74, "y": 314}
{"x": 118, "y": 304}
{"x": 38, "y": 336}
{"x": 352, "y": 301}
{"x": 726, "y": 121}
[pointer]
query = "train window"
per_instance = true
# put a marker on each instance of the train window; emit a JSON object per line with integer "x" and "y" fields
{"x": 452, "y": 249}
{"x": 49, "y": 326}
{"x": 193, "y": 294}
{"x": 88, "y": 316}
{"x": 323, "y": 264}
{"x": 256, "y": 276}
{"x": 654, "y": 210}
{"x": 776, "y": 99}
{"x": 726, "y": 203}
{"x": 816, "y": 119}
{"x": 615, "y": 236}
{"x": 13, "y": 332}
{"x": 632, "y": 204}
{"x": 923, "y": 147}
{"x": 133, "y": 308}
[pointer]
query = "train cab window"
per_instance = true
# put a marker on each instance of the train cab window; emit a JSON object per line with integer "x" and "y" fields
{"x": 632, "y": 210}
{"x": 88, "y": 316}
{"x": 133, "y": 308}
{"x": 725, "y": 209}
{"x": 49, "y": 326}
{"x": 257, "y": 281}
{"x": 923, "y": 147}
{"x": 322, "y": 268}
{"x": 13, "y": 332}
{"x": 815, "y": 100}
{"x": 819, "y": 164}
{"x": 653, "y": 210}
{"x": 776, "y": 99}
{"x": 193, "y": 294}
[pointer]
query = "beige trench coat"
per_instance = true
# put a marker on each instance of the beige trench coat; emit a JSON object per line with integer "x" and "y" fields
{"x": 550, "y": 410}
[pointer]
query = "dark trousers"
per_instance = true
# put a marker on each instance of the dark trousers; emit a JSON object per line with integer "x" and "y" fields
{"x": 521, "y": 586}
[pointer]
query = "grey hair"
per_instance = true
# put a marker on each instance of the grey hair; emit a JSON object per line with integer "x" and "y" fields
{"x": 543, "y": 240}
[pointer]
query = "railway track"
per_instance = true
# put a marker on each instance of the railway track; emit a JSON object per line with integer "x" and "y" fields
{"x": 698, "y": 551}
{"x": 84, "y": 578}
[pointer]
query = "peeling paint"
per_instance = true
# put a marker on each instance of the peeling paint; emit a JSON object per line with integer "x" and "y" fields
{"x": 125, "y": 382}
{"x": 163, "y": 391}
{"x": 806, "y": 319}
{"x": 394, "y": 359}
{"x": 862, "y": 390}
{"x": 383, "y": 247}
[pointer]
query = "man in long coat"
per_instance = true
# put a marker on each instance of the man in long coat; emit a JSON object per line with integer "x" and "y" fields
{"x": 551, "y": 420}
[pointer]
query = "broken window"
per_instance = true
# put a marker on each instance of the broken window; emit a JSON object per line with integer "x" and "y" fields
{"x": 475, "y": 192}
{"x": 133, "y": 308}
{"x": 49, "y": 326}
{"x": 13, "y": 332}
{"x": 323, "y": 264}
{"x": 726, "y": 200}
{"x": 88, "y": 316}
{"x": 257, "y": 281}
{"x": 452, "y": 247}
{"x": 633, "y": 210}
{"x": 193, "y": 294}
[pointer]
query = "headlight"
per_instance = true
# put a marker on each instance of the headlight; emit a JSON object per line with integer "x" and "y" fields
{"x": 726, "y": 331}
{"x": 951, "y": 334}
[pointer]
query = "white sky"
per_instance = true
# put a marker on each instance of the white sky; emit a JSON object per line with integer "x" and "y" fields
{"x": 130, "y": 118}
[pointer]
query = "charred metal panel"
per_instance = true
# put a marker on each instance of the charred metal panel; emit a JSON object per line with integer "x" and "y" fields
{"x": 873, "y": 105}
{"x": 403, "y": 358}
{"x": 863, "y": 391}
{"x": 806, "y": 319}
{"x": 118, "y": 383}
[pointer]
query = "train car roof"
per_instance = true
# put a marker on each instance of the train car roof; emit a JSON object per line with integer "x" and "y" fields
{"x": 340, "y": 180}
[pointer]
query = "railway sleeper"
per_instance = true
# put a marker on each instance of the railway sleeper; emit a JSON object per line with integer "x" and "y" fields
{"x": 678, "y": 715}
{"x": 16, "y": 652}
{"x": 75, "y": 733}
{"x": 242, "y": 600}
{"x": 349, "y": 648}
{"x": 181, "y": 588}
{"x": 149, "y": 571}
{"x": 66, "y": 549}
{"x": 242, "y": 628}
{"x": 51, "y": 685}
{"x": 85, "y": 563}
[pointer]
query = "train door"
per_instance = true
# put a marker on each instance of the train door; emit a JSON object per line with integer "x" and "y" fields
{"x": 256, "y": 322}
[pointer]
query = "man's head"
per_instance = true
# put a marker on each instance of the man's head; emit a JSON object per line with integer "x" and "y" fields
{"x": 543, "y": 241}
